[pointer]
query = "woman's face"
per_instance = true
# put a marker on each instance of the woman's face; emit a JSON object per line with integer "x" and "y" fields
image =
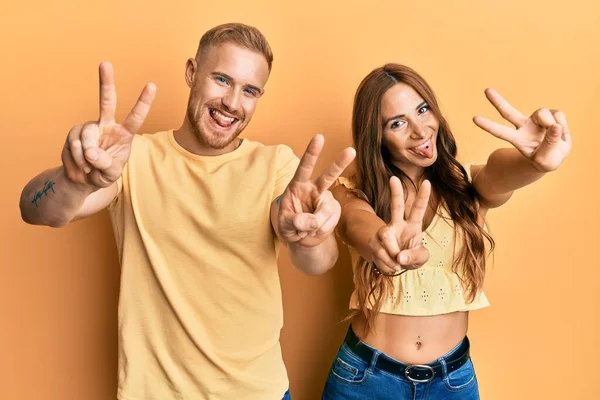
{"x": 409, "y": 128}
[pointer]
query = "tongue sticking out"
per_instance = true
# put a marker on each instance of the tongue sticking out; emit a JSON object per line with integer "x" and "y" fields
{"x": 221, "y": 119}
{"x": 424, "y": 151}
{"x": 223, "y": 124}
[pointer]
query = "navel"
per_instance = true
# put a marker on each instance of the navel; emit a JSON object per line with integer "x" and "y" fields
{"x": 418, "y": 343}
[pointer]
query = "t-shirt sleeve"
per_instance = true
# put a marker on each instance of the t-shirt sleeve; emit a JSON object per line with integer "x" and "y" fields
{"x": 287, "y": 163}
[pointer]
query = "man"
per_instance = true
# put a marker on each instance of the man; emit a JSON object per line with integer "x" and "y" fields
{"x": 197, "y": 213}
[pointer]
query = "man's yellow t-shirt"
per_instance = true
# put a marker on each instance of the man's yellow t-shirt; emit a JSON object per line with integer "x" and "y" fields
{"x": 200, "y": 308}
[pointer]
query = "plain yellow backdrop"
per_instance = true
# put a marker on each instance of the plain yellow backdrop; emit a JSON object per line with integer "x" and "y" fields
{"x": 59, "y": 288}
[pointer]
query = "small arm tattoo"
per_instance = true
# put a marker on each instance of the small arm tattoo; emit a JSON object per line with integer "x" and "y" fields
{"x": 48, "y": 185}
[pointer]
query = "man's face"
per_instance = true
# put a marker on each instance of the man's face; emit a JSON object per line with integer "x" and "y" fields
{"x": 225, "y": 87}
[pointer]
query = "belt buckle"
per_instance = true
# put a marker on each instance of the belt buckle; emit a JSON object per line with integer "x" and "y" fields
{"x": 419, "y": 366}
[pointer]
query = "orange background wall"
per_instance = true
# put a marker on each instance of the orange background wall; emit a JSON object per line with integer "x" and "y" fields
{"x": 58, "y": 288}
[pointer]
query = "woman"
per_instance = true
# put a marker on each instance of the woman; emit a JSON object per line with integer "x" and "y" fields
{"x": 413, "y": 218}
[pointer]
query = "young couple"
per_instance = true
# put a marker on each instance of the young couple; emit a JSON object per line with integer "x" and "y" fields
{"x": 198, "y": 214}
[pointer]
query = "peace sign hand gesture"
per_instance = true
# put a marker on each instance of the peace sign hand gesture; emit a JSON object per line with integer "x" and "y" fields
{"x": 95, "y": 153}
{"x": 397, "y": 246}
{"x": 544, "y": 138}
{"x": 308, "y": 212}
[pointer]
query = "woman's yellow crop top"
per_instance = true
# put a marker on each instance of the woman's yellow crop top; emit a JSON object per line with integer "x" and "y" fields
{"x": 432, "y": 289}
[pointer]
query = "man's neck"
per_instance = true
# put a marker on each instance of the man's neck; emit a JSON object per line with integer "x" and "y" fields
{"x": 190, "y": 142}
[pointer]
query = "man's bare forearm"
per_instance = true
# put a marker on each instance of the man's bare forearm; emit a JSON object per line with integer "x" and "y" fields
{"x": 51, "y": 199}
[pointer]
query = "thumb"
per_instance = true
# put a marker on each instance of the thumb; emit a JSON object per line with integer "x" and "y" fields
{"x": 99, "y": 159}
{"x": 413, "y": 258}
{"x": 553, "y": 135}
{"x": 305, "y": 222}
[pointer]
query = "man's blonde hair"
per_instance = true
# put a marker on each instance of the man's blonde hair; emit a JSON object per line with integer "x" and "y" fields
{"x": 237, "y": 33}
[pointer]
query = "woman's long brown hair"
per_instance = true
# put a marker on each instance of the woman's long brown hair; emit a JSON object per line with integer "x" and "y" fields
{"x": 449, "y": 181}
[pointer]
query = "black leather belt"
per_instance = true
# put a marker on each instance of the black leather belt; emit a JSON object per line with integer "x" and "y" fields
{"x": 417, "y": 373}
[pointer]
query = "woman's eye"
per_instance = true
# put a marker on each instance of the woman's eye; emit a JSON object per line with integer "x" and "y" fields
{"x": 396, "y": 124}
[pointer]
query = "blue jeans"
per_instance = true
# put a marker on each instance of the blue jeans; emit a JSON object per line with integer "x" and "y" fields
{"x": 352, "y": 378}
{"x": 287, "y": 396}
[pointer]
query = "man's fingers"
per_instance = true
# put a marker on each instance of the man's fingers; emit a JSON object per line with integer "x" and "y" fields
{"x": 90, "y": 136}
{"x": 75, "y": 148}
{"x": 309, "y": 159}
{"x": 72, "y": 170}
{"x": 334, "y": 171}
{"x": 305, "y": 222}
{"x": 108, "y": 93}
{"x": 329, "y": 225}
{"x": 99, "y": 158}
{"x": 140, "y": 110}
{"x": 327, "y": 213}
